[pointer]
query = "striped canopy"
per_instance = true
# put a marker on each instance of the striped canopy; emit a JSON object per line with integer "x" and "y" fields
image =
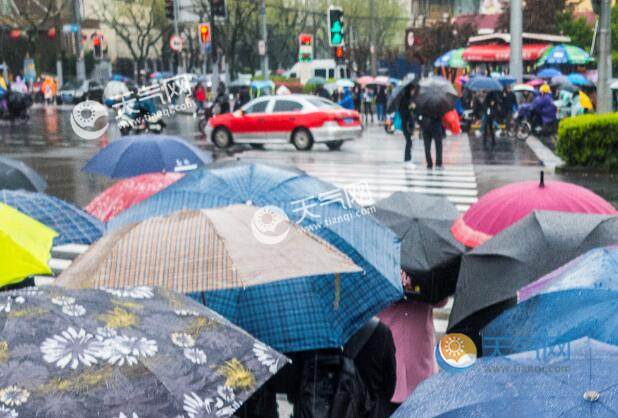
{"x": 73, "y": 224}
{"x": 301, "y": 286}
{"x": 564, "y": 54}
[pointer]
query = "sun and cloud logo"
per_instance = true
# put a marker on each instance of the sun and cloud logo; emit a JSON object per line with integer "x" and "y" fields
{"x": 84, "y": 117}
{"x": 270, "y": 225}
{"x": 455, "y": 352}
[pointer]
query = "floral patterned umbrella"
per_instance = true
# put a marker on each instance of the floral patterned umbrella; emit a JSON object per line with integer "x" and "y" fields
{"x": 138, "y": 352}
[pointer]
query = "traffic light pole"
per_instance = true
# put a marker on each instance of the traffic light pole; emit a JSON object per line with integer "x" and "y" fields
{"x": 181, "y": 68}
{"x": 80, "y": 66}
{"x": 372, "y": 44}
{"x": 264, "y": 58}
{"x": 516, "y": 64}
{"x": 604, "y": 95}
{"x": 213, "y": 51}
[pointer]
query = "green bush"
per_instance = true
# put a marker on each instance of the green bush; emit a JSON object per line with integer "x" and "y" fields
{"x": 589, "y": 141}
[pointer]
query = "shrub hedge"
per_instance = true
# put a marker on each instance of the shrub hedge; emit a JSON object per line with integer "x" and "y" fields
{"x": 589, "y": 141}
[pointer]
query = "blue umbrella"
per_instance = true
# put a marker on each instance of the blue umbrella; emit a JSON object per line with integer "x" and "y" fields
{"x": 505, "y": 80}
{"x": 578, "y": 379}
{"x": 579, "y": 80}
{"x": 479, "y": 83}
{"x": 318, "y": 206}
{"x": 72, "y": 224}
{"x": 15, "y": 175}
{"x": 579, "y": 299}
{"x": 548, "y": 73}
{"x": 140, "y": 154}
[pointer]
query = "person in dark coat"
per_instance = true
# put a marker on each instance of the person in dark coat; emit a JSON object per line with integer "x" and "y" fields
{"x": 357, "y": 93}
{"x": 432, "y": 129}
{"x": 406, "y": 108}
{"x": 381, "y": 99}
{"x": 377, "y": 366}
{"x": 491, "y": 115}
{"x": 243, "y": 98}
{"x": 322, "y": 92}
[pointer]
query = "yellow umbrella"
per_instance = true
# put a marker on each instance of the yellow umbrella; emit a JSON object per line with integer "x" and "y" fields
{"x": 585, "y": 101}
{"x": 25, "y": 246}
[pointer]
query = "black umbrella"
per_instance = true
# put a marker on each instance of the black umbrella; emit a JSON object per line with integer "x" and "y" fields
{"x": 392, "y": 105}
{"x": 562, "y": 82}
{"x": 429, "y": 252}
{"x": 492, "y": 273}
{"x": 15, "y": 175}
{"x": 436, "y": 97}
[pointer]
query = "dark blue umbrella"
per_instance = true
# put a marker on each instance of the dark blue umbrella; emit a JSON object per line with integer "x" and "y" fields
{"x": 548, "y": 73}
{"x": 15, "y": 175}
{"x": 479, "y": 83}
{"x": 505, "y": 80}
{"x": 321, "y": 208}
{"x": 577, "y": 379}
{"x": 577, "y": 300}
{"x": 72, "y": 224}
{"x": 140, "y": 154}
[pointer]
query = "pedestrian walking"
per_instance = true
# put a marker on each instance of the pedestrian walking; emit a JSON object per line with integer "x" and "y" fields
{"x": 414, "y": 335}
{"x": 335, "y": 96}
{"x": 322, "y": 92}
{"x": 367, "y": 105}
{"x": 432, "y": 130}
{"x": 406, "y": 113}
{"x": 347, "y": 99}
{"x": 199, "y": 94}
{"x": 381, "y": 98}
{"x": 491, "y": 114}
{"x": 357, "y": 94}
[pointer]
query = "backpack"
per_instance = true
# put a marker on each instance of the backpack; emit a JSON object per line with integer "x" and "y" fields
{"x": 331, "y": 386}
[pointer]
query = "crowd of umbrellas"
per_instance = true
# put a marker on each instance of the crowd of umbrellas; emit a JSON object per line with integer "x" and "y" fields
{"x": 177, "y": 307}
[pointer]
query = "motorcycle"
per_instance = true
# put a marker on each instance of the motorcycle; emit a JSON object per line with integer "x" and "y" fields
{"x": 204, "y": 114}
{"x": 140, "y": 116}
{"x": 527, "y": 123}
{"x": 17, "y": 105}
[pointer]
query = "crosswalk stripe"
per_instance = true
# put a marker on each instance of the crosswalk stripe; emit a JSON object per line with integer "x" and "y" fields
{"x": 388, "y": 176}
{"x": 403, "y": 182}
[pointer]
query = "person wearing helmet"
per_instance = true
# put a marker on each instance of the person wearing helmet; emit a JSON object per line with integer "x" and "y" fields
{"x": 544, "y": 108}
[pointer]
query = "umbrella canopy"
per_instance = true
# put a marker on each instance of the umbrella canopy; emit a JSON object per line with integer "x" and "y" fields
{"x": 482, "y": 83}
{"x": 394, "y": 81}
{"x": 128, "y": 192}
{"x": 502, "y": 207}
{"x": 537, "y": 82}
{"x": 392, "y": 104}
{"x": 585, "y": 101}
{"x": 25, "y": 246}
{"x": 492, "y": 273}
{"x": 316, "y": 80}
{"x": 563, "y": 82}
{"x": 429, "y": 253}
{"x": 436, "y": 97}
{"x": 366, "y": 79}
{"x": 219, "y": 257}
{"x": 505, "y": 80}
{"x": 548, "y": 73}
{"x": 580, "y": 384}
{"x": 382, "y": 80}
{"x": 242, "y": 82}
{"x": 140, "y": 154}
{"x": 72, "y": 224}
{"x": 564, "y": 54}
{"x": 452, "y": 59}
{"x": 125, "y": 352}
{"x": 523, "y": 87}
{"x": 579, "y": 80}
{"x": 15, "y": 175}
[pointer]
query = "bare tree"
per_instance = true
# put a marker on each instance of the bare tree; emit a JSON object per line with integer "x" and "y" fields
{"x": 138, "y": 24}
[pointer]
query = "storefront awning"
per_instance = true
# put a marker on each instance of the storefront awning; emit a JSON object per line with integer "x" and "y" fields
{"x": 501, "y": 52}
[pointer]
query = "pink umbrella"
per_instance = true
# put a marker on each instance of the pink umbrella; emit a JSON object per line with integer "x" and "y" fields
{"x": 536, "y": 82}
{"x": 381, "y": 80}
{"x": 502, "y": 207}
{"x": 366, "y": 79}
{"x": 128, "y": 192}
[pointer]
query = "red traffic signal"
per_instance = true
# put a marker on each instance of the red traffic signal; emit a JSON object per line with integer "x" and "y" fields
{"x": 339, "y": 52}
{"x": 204, "y": 32}
{"x": 14, "y": 34}
{"x": 305, "y": 39}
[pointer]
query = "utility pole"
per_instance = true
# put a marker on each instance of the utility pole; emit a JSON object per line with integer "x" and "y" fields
{"x": 516, "y": 64}
{"x": 181, "y": 67}
{"x": 58, "y": 27}
{"x": 80, "y": 66}
{"x": 604, "y": 97}
{"x": 264, "y": 58}
{"x": 372, "y": 44}
{"x": 213, "y": 51}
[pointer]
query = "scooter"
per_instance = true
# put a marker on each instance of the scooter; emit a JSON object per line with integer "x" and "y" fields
{"x": 138, "y": 117}
{"x": 528, "y": 123}
{"x": 17, "y": 105}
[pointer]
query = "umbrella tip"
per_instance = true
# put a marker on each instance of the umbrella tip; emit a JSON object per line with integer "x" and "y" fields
{"x": 542, "y": 182}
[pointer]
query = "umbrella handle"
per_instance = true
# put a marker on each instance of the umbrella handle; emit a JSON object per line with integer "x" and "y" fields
{"x": 337, "y": 291}
{"x": 542, "y": 182}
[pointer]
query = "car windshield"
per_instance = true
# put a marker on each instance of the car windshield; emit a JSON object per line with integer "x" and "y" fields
{"x": 71, "y": 85}
{"x": 322, "y": 103}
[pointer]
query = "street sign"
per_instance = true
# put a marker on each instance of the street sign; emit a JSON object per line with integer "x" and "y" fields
{"x": 305, "y": 47}
{"x": 176, "y": 43}
{"x": 261, "y": 47}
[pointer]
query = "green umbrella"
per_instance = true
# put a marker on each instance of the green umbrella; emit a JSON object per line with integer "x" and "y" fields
{"x": 564, "y": 54}
{"x": 453, "y": 59}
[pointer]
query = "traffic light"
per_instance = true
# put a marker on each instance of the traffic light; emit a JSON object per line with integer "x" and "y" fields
{"x": 339, "y": 55}
{"x": 169, "y": 9}
{"x": 335, "y": 26}
{"x": 96, "y": 46}
{"x": 204, "y": 31}
{"x": 219, "y": 11}
{"x": 305, "y": 47}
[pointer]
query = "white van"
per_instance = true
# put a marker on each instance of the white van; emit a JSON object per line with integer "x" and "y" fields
{"x": 326, "y": 68}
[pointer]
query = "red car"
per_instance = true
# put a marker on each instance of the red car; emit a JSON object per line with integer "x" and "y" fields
{"x": 300, "y": 119}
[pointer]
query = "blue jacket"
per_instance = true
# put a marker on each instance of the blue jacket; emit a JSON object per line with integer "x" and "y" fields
{"x": 544, "y": 106}
{"x": 347, "y": 101}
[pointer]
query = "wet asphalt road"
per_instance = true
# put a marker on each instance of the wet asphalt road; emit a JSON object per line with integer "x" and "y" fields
{"x": 48, "y": 144}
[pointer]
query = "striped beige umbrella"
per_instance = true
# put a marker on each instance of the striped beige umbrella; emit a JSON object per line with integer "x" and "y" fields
{"x": 211, "y": 249}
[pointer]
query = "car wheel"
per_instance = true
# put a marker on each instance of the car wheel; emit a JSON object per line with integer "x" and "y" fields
{"x": 222, "y": 137}
{"x": 257, "y": 146}
{"x": 334, "y": 145}
{"x": 302, "y": 139}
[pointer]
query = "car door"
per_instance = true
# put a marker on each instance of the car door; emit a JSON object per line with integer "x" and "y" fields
{"x": 249, "y": 125}
{"x": 284, "y": 117}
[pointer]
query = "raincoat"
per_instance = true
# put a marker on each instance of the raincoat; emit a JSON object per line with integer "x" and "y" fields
{"x": 544, "y": 106}
{"x": 347, "y": 101}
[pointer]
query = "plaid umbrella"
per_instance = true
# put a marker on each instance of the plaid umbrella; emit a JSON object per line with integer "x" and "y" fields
{"x": 128, "y": 192}
{"x": 137, "y": 352}
{"x": 72, "y": 224}
{"x": 15, "y": 175}
{"x": 252, "y": 265}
